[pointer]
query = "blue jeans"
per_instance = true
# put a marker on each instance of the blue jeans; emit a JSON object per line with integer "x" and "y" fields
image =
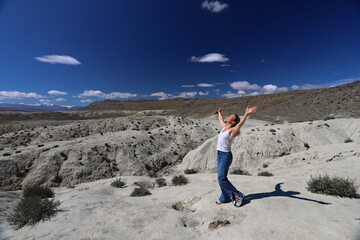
{"x": 224, "y": 160}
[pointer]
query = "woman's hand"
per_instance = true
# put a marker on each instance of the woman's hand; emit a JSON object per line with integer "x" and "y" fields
{"x": 219, "y": 110}
{"x": 250, "y": 110}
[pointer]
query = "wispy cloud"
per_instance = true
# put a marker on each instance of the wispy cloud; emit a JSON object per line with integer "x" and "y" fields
{"x": 58, "y": 59}
{"x": 55, "y": 92}
{"x": 224, "y": 65}
{"x": 18, "y": 95}
{"x": 100, "y": 94}
{"x": 210, "y": 58}
{"x": 326, "y": 85}
{"x": 86, "y": 100}
{"x": 214, "y": 6}
{"x": 200, "y": 85}
{"x": 60, "y": 99}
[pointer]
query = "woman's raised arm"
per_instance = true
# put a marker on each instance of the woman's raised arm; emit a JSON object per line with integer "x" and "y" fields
{"x": 248, "y": 111}
{"x": 221, "y": 119}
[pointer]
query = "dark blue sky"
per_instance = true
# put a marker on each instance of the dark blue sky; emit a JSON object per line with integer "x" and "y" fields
{"x": 160, "y": 49}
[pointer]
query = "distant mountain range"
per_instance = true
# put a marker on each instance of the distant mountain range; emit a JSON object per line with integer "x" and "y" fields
{"x": 38, "y": 108}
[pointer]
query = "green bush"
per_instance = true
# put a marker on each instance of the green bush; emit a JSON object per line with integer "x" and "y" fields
{"x": 190, "y": 171}
{"x": 265, "y": 173}
{"x": 348, "y": 140}
{"x": 239, "y": 171}
{"x": 179, "y": 180}
{"x": 336, "y": 186}
{"x": 38, "y": 191}
{"x": 139, "y": 192}
{"x": 306, "y": 145}
{"x": 31, "y": 210}
{"x": 272, "y": 130}
{"x": 265, "y": 165}
{"x": 6, "y": 154}
{"x": 118, "y": 183}
{"x": 160, "y": 182}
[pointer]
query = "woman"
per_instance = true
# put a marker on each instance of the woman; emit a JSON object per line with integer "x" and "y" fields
{"x": 231, "y": 128}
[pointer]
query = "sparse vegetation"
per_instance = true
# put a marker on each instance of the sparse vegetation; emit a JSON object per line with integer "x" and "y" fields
{"x": 38, "y": 191}
{"x": 160, "y": 182}
{"x": 31, "y": 210}
{"x": 152, "y": 174}
{"x": 272, "y": 130}
{"x": 348, "y": 140}
{"x": 139, "y": 192}
{"x": 6, "y": 154}
{"x": 240, "y": 171}
{"x": 329, "y": 118}
{"x": 180, "y": 180}
{"x": 190, "y": 171}
{"x": 265, "y": 174}
{"x": 118, "y": 183}
{"x": 306, "y": 145}
{"x": 144, "y": 184}
{"x": 33, "y": 207}
{"x": 335, "y": 186}
{"x": 265, "y": 165}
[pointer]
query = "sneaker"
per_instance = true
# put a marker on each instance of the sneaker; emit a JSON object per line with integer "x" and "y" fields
{"x": 238, "y": 200}
{"x": 218, "y": 202}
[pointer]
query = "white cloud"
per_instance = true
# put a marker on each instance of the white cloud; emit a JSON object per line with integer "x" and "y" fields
{"x": 18, "y": 95}
{"x": 325, "y": 85}
{"x": 55, "y": 92}
{"x": 46, "y": 102}
{"x": 100, "y": 94}
{"x": 224, "y": 65}
{"x": 244, "y": 85}
{"x": 230, "y": 94}
{"x": 205, "y": 85}
{"x": 254, "y": 93}
{"x": 210, "y": 58}
{"x": 162, "y": 95}
{"x": 214, "y": 6}
{"x": 200, "y": 85}
{"x": 187, "y": 94}
{"x": 294, "y": 87}
{"x": 203, "y": 93}
{"x": 86, "y": 100}
{"x": 60, "y": 99}
{"x": 58, "y": 59}
{"x": 67, "y": 106}
{"x": 266, "y": 89}
{"x": 269, "y": 88}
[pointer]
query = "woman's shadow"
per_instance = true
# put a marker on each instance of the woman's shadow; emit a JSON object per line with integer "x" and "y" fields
{"x": 277, "y": 193}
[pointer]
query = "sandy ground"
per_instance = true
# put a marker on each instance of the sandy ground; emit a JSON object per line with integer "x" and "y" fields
{"x": 277, "y": 207}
